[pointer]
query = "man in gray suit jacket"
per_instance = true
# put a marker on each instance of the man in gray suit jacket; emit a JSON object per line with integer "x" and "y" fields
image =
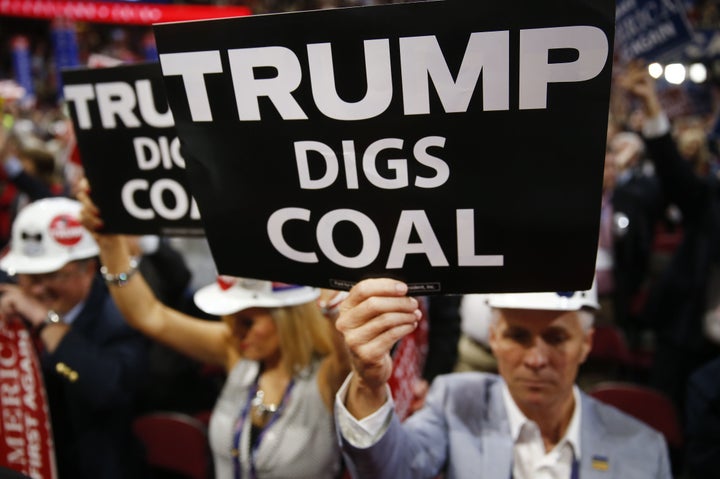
{"x": 530, "y": 422}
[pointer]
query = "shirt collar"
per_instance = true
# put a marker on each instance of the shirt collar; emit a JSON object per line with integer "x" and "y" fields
{"x": 517, "y": 420}
{"x": 71, "y": 315}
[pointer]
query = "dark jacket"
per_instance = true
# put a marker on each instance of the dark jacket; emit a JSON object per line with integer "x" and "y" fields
{"x": 677, "y": 302}
{"x": 92, "y": 380}
{"x": 639, "y": 199}
{"x": 703, "y": 422}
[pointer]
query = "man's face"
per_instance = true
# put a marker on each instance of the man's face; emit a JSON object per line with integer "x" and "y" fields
{"x": 63, "y": 289}
{"x": 538, "y": 354}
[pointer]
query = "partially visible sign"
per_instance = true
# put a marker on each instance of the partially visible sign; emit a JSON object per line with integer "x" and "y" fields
{"x": 651, "y": 29}
{"x": 130, "y": 150}
{"x": 705, "y": 46}
{"x": 26, "y": 443}
{"x": 457, "y": 146}
{"x": 116, "y": 12}
{"x": 408, "y": 357}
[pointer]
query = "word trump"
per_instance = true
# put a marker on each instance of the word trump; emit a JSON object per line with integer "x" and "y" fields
{"x": 421, "y": 61}
{"x": 116, "y": 103}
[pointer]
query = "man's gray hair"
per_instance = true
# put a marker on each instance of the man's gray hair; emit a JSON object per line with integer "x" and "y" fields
{"x": 586, "y": 318}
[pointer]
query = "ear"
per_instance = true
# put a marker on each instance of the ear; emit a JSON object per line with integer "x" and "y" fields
{"x": 586, "y": 346}
{"x": 493, "y": 334}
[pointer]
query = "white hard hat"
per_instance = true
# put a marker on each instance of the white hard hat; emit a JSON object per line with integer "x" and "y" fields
{"x": 475, "y": 317}
{"x": 46, "y": 235}
{"x": 560, "y": 301}
{"x": 230, "y": 295}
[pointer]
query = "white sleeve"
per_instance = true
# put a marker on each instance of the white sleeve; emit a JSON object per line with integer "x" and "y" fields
{"x": 367, "y": 431}
{"x": 656, "y": 126}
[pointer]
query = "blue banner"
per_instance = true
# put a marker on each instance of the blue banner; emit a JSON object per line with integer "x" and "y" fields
{"x": 22, "y": 65}
{"x": 653, "y": 30}
{"x": 705, "y": 46}
{"x": 65, "y": 48}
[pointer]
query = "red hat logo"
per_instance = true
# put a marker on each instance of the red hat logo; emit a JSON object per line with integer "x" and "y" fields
{"x": 226, "y": 282}
{"x": 66, "y": 230}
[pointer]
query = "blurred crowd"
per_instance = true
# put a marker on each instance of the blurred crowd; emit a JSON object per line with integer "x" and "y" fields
{"x": 657, "y": 264}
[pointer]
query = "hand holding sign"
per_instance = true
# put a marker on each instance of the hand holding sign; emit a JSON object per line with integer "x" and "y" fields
{"x": 375, "y": 315}
{"x": 115, "y": 250}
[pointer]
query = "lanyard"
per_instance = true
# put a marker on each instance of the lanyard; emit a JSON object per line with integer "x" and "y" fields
{"x": 240, "y": 424}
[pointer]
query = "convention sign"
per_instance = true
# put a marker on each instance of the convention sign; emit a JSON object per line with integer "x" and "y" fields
{"x": 455, "y": 145}
{"x": 130, "y": 150}
{"x": 122, "y": 13}
{"x": 26, "y": 445}
{"x": 651, "y": 29}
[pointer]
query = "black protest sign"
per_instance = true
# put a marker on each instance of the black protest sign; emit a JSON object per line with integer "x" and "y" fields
{"x": 130, "y": 150}
{"x": 457, "y": 146}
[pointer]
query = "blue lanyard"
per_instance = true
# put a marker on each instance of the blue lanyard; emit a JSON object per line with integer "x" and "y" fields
{"x": 240, "y": 424}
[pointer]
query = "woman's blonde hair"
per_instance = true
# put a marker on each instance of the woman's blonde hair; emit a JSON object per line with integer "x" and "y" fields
{"x": 304, "y": 334}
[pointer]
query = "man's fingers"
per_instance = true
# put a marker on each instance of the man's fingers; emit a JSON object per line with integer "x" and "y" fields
{"x": 369, "y": 354}
{"x": 374, "y": 307}
{"x": 379, "y": 326}
{"x": 375, "y": 315}
{"x": 374, "y": 287}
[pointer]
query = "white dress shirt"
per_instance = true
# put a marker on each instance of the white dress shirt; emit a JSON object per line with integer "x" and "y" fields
{"x": 530, "y": 459}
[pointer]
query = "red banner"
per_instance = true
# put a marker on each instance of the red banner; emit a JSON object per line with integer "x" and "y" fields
{"x": 121, "y": 13}
{"x": 26, "y": 443}
{"x": 408, "y": 362}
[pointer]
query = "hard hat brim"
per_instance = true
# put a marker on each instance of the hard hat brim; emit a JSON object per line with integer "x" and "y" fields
{"x": 212, "y": 299}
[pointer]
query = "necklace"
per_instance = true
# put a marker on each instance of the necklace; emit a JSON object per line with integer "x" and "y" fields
{"x": 255, "y": 402}
{"x": 260, "y": 407}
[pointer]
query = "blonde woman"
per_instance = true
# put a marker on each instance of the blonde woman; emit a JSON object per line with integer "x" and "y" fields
{"x": 284, "y": 361}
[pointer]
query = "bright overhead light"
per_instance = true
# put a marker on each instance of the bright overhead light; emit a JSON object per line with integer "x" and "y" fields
{"x": 675, "y": 73}
{"x": 655, "y": 70}
{"x": 697, "y": 72}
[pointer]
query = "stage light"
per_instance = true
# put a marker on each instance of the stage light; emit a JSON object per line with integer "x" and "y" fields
{"x": 697, "y": 72}
{"x": 655, "y": 70}
{"x": 675, "y": 73}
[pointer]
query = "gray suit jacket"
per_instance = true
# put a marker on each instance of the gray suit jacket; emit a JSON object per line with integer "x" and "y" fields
{"x": 463, "y": 429}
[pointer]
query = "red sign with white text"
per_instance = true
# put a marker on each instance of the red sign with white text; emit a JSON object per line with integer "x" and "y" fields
{"x": 26, "y": 443}
{"x": 121, "y": 13}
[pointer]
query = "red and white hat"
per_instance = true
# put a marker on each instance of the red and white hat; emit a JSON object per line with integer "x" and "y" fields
{"x": 46, "y": 235}
{"x": 230, "y": 295}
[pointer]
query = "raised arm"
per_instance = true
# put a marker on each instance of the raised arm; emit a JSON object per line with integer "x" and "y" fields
{"x": 335, "y": 366}
{"x": 205, "y": 341}
{"x": 375, "y": 315}
{"x": 682, "y": 186}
